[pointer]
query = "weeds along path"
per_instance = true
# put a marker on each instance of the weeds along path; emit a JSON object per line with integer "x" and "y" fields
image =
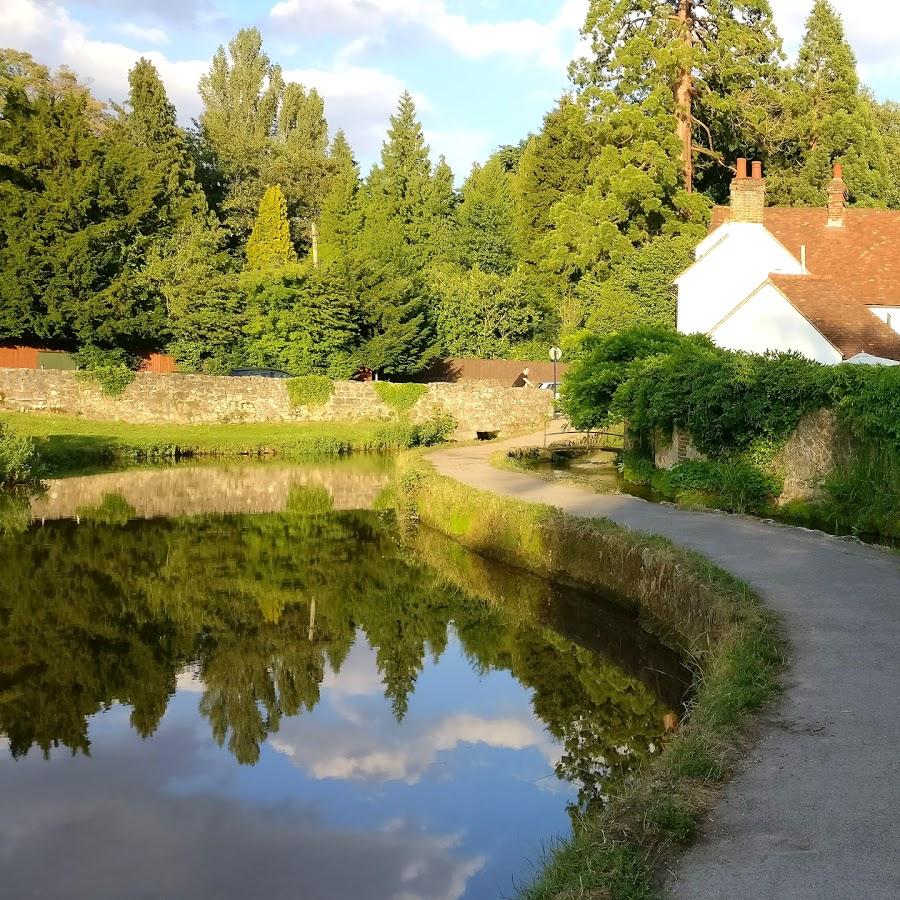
{"x": 812, "y": 815}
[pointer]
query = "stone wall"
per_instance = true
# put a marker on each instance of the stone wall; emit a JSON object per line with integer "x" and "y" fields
{"x": 812, "y": 451}
{"x": 154, "y": 399}
{"x": 668, "y": 453}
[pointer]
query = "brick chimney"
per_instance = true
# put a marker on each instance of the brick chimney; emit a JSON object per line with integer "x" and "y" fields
{"x": 748, "y": 194}
{"x": 837, "y": 198}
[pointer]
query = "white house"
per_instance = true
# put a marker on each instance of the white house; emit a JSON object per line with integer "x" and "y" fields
{"x": 823, "y": 282}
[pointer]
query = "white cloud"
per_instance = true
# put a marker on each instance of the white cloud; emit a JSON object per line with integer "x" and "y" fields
{"x": 461, "y": 146}
{"x": 142, "y": 33}
{"x": 359, "y": 100}
{"x": 46, "y": 30}
{"x": 549, "y": 43}
{"x": 359, "y": 754}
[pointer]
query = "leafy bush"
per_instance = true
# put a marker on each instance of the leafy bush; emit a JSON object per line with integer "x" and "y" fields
{"x": 867, "y": 399}
{"x": 733, "y": 484}
{"x": 864, "y": 493}
{"x": 400, "y": 397}
{"x": 111, "y": 369}
{"x": 19, "y": 461}
{"x": 310, "y": 390}
{"x": 405, "y": 435}
{"x": 605, "y": 364}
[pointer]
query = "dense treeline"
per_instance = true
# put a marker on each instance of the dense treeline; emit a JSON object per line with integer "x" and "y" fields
{"x": 252, "y": 238}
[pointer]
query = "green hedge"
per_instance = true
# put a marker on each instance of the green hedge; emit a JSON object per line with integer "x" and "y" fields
{"x": 730, "y": 402}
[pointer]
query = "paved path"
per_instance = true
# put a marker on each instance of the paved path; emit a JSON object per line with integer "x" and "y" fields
{"x": 814, "y": 813}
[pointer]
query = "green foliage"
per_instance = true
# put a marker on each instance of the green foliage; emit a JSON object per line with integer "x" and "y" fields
{"x": 486, "y": 236}
{"x": 604, "y": 365}
{"x": 484, "y": 315}
{"x": 863, "y": 493}
{"x": 310, "y": 390}
{"x": 400, "y": 397}
{"x": 300, "y": 320}
{"x": 19, "y": 460}
{"x": 113, "y": 509}
{"x": 830, "y": 119}
{"x": 269, "y": 246}
{"x": 112, "y": 370}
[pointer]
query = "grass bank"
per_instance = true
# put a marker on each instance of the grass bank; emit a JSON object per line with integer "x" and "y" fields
{"x": 69, "y": 445}
{"x": 712, "y": 618}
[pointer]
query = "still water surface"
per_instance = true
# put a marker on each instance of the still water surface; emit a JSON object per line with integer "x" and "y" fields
{"x": 269, "y": 693}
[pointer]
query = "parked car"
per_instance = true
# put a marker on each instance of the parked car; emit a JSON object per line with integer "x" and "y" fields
{"x": 259, "y": 373}
{"x": 551, "y": 386}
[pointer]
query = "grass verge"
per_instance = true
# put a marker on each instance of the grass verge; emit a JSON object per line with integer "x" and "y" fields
{"x": 69, "y": 445}
{"x": 715, "y": 620}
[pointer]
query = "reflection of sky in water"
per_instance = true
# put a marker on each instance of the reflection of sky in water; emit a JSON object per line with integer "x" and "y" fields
{"x": 344, "y": 802}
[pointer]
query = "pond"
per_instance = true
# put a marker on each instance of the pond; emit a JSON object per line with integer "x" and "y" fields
{"x": 258, "y": 690}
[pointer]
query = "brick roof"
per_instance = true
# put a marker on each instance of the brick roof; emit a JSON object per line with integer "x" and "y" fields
{"x": 850, "y": 269}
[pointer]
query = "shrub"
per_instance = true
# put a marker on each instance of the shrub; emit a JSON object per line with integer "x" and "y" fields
{"x": 863, "y": 494}
{"x": 111, "y": 369}
{"x": 310, "y": 390}
{"x": 400, "y": 397}
{"x": 592, "y": 382}
{"x": 19, "y": 462}
{"x": 405, "y": 435}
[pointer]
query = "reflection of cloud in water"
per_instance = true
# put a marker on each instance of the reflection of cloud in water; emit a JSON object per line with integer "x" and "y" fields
{"x": 376, "y": 750}
{"x": 358, "y": 675}
{"x": 188, "y": 681}
{"x": 112, "y": 830}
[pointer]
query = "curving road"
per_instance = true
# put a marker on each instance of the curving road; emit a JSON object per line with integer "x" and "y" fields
{"x": 814, "y": 814}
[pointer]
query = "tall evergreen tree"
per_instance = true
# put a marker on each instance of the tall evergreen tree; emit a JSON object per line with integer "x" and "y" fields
{"x": 150, "y": 124}
{"x": 829, "y": 119}
{"x": 400, "y": 185}
{"x": 486, "y": 235}
{"x": 702, "y": 66}
{"x": 269, "y": 246}
{"x": 553, "y": 164}
{"x": 340, "y": 218}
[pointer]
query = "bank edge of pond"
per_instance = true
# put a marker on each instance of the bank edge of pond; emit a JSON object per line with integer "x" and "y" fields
{"x": 69, "y": 445}
{"x": 715, "y": 620}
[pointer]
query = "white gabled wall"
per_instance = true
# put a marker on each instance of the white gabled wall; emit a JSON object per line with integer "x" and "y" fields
{"x": 767, "y": 321}
{"x": 888, "y": 314}
{"x": 732, "y": 262}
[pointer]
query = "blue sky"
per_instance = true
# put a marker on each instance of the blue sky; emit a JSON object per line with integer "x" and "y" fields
{"x": 483, "y": 71}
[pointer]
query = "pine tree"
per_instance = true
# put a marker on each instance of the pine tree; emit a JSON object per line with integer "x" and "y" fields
{"x": 486, "y": 235}
{"x": 829, "y": 119}
{"x": 404, "y": 176}
{"x": 705, "y": 67}
{"x": 553, "y": 164}
{"x": 150, "y": 125}
{"x": 269, "y": 246}
{"x": 340, "y": 219}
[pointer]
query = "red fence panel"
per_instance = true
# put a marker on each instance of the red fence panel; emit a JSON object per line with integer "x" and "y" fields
{"x": 18, "y": 357}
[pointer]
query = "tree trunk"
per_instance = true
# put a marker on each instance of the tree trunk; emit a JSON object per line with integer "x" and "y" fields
{"x": 684, "y": 92}
{"x": 314, "y": 239}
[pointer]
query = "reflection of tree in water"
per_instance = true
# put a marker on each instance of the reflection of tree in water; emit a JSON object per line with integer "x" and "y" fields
{"x": 264, "y": 605}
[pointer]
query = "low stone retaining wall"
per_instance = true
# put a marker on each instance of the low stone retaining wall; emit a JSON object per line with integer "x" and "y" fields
{"x": 153, "y": 399}
{"x": 814, "y": 450}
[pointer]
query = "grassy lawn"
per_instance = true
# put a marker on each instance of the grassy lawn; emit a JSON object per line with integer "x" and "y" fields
{"x": 70, "y": 445}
